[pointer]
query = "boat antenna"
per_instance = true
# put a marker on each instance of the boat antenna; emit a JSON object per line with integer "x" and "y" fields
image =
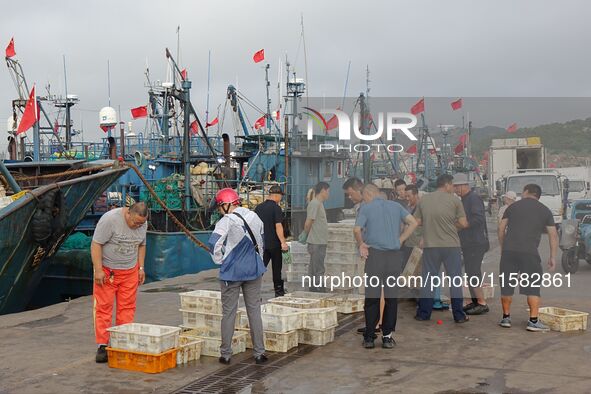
{"x": 346, "y": 85}
{"x": 178, "y": 44}
{"x": 268, "y": 114}
{"x": 109, "y": 81}
{"x": 208, "y": 79}
{"x": 305, "y": 60}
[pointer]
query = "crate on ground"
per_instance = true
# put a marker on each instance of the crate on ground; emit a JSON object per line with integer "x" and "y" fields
{"x": 343, "y": 290}
{"x": 206, "y": 301}
{"x": 280, "y": 342}
{"x": 292, "y": 302}
{"x": 189, "y": 349}
{"x": 141, "y": 362}
{"x": 413, "y": 265}
{"x": 326, "y": 299}
{"x": 212, "y": 341}
{"x": 342, "y": 258}
{"x": 302, "y": 258}
{"x": 201, "y": 319}
{"x": 560, "y": 319}
{"x": 320, "y": 318}
{"x": 488, "y": 291}
{"x": 145, "y": 338}
{"x": 298, "y": 267}
{"x": 342, "y": 269}
{"x": 295, "y": 246}
{"x": 277, "y": 318}
{"x": 342, "y": 246}
{"x": 349, "y": 303}
{"x": 316, "y": 337}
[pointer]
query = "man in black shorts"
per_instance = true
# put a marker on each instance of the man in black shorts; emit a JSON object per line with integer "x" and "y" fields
{"x": 525, "y": 221}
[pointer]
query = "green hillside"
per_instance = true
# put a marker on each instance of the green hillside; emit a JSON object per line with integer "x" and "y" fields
{"x": 572, "y": 138}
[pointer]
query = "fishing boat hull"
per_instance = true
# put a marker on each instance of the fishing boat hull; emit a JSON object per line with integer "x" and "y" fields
{"x": 24, "y": 261}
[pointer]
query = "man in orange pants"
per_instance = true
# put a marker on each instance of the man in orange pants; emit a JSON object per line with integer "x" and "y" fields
{"x": 118, "y": 250}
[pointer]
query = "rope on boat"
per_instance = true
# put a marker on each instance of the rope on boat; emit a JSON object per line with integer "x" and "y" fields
{"x": 165, "y": 208}
{"x": 59, "y": 174}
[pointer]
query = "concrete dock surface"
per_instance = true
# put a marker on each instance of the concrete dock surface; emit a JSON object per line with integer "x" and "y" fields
{"x": 51, "y": 350}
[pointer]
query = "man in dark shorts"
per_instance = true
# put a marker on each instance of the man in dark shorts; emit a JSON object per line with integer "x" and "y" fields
{"x": 525, "y": 221}
{"x": 272, "y": 217}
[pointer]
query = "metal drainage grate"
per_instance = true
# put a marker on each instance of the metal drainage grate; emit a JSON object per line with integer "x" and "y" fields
{"x": 237, "y": 377}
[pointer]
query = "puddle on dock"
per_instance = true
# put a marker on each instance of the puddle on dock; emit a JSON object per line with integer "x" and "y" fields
{"x": 168, "y": 289}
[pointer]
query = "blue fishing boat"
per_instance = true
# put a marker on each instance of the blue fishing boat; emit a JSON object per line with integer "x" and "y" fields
{"x": 33, "y": 226}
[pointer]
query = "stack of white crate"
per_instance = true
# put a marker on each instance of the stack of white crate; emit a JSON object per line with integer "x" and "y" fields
{"x": 342, "y": 259}
{"x": 280, "y": 327}
{"x": 202, "y": 318}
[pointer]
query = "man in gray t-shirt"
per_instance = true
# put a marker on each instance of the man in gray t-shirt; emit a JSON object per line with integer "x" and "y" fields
{"x": 316, "y": 234}
{"x": 118, "y": 250}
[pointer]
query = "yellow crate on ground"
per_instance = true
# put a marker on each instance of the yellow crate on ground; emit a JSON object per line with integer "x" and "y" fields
{"x": 280, "y": 342}
{"x": 291, "y": 302}
{"x": 141, "y": 362}
{"x": 189, "y": 349}
{"x": 212, "y": 341}
{"x": 316, "y": 337}
{"x": 560, "y": 319}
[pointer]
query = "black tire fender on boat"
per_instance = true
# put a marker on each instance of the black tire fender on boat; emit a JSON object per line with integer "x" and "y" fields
{"x": 49, "y": 220}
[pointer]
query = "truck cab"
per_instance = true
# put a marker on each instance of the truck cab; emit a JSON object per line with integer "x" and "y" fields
{"x": 551, "y": 182}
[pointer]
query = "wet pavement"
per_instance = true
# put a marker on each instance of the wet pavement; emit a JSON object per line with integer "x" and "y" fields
{"x": 51, "y": 350}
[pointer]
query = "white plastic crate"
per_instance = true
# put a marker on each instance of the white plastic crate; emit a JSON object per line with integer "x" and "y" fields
{"x": 144, "y": 338}
{"x": 212, "y": 341}
{"x": 341, "y": 269}
{"x": 201, "y": 320}
{"x": 189, "y": 349}
{"x": 326, "y": 299}
{"x": 316, "y": 337}
{"x": 560, "y": 319}
{"x": 342, "y": 258}
{"x": 298, "y": 267}
{"x": 207, "y": 301}
{"x": 277, "y": 318}
{"x": 342, "y": 246}
{"x": 320, "y": 318}
{"x": 349, "y": 303}
{"x": 300, "y": 303}
{"x": 275, "y": 341}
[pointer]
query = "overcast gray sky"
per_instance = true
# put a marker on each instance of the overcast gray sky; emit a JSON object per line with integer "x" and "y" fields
{"x": 413, "y": 48}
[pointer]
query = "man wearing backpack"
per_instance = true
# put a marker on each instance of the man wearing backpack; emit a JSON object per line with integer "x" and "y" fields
{"x": 237, "y": 245}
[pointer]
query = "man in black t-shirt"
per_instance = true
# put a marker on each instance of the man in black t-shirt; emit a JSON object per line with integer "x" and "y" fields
{"x": 525, "y": 221}
{"x": 272, "y": 217}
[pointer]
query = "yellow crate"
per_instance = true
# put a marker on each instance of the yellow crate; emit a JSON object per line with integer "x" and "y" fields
{"x": 559, "y": 319}
{"x": 141, "y": 362}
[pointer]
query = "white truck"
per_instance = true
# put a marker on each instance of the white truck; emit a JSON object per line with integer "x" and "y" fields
{"x": 551, "y": 182}
{"x": 510, "y": 155}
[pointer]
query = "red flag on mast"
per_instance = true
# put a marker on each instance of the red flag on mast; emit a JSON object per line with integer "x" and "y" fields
{"x": 418, "y": 107}
{"x": 412, "y": 149}
{"x": 184, "y": 74}
{"x": 139, "y": 112}
{"x": 259, "y": 56}
{"x": 194, "y": 127}
{"x": 10, "y": 52}
{"x": 512, "y": 128}
{"x": 455, "y": 105}
{"x": 459, "y": 148}
{"x": 30, "y": 115}
{"x": 260, "y": 123}
{"x": 212, "y": 123}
